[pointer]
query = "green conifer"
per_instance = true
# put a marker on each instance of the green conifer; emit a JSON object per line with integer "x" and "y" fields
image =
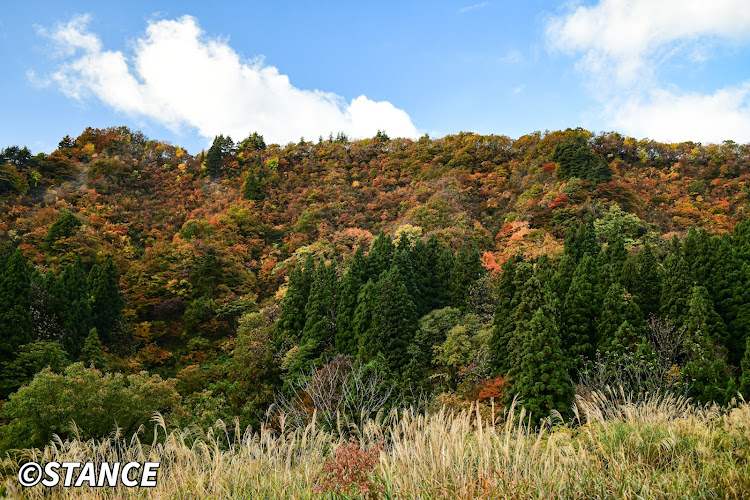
{"x": 581, "y": 312}
{"x": 741, "y": 240}
{"x": 614, "y": 259}
{"x": 402, "y": 260}
{"x": 703, "y": 317}
{"x": 745, "y": 372}
{"x": 566, "y": 269}
{"x": 424, "y": 259}
{"x": 581, "y": 240}
{"x": 706, "y": 373}
{"x": 504, "y": 326}
{"x": 350, "y": 286}
{"x": 16, "y": 326}
{"x": 73, "y": 307}
{"x": 443, "y": 269}
{"x": 648, "y": 287}
{"x": 728, "y": 285}
{"x": 292, "y": 317}
{"x": 106, "y": 300}
{"x": 366, "y": 302}
{"x": 465, "y": 273}
{"x": 252, "y": 188}
{"x": 676, "y": 289}
{"x": 539, "y": 377}
{"x": 618, "y": 307}
{"x": 380, "y": 256}
{"x": 394, "y": 321}
{"x": 319, "y": 332}
{"x": 92, "y": 352}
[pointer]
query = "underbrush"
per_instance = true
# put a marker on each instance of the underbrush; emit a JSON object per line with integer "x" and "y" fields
{"x": 661, "y": 446}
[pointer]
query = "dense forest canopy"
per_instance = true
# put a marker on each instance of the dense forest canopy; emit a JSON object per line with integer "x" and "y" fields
{"x": 462, "y": 268}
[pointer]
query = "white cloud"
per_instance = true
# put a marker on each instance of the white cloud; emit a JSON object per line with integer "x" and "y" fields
{"x": 72, "y": 37}
{"x": 628, "y": 33}
{"x": 179, "y": 77}
{"x": 676, "y": 117}
{"x": 476, "y": 6}
{"x": 621, "y": 45}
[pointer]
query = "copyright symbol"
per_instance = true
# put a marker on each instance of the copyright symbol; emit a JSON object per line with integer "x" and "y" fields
{"x": 27, "y": 475}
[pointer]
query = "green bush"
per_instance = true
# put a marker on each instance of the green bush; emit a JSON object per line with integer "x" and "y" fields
{"x": 98, "y": 403}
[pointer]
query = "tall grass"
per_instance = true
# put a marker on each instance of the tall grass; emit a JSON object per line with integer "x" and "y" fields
{"x": 615, "y": 447}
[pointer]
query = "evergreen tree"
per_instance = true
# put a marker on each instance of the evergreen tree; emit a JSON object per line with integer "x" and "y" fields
{"x": 403, "y": 243}
{"x": 402, "y": 260}
{"x": 581, "y": 312}
{"x": 445, "y": 263}
{"x": 6, "y": 252}
{"x": 628, "y": 340}
{"x": 47, "y": 326}
{"x": 647, "y": 288}
{"x": 380, "y": 256}
{"x": 220, "y": 149}
{"x": 106, "y": 300}
{"x": 16, "y": 327}
{"x": 728, "y": 285}
{"x": 504, "y": 326}
{"x": 566, "y": 269}
{"x": 252, "y": 188}
{"x": 73, "y": 307}
{"x": 394, "y": 321}
{"x": 319, "y": 331}
{"x": 732, "y": 391}
{"x": 545, "y": 270}
{"x": 350, "y": 286}
{"x": 702, "y": 316}
{"x": 741, "y": 240}
{"x": 254, "y": 142}
{"x": 466, "y": 271}
{"x": 613, "y": 262}
{"x": 540, "y": 376}
{"x": 64, "y": 227}
{"x": 587, "y": 243}
{"x": 432, "y": 332}
{"x": 618, "y": 308}
{"x": 30, "y": 359}
{"x": 208, "y": 274}
{"x": 629, "y": 279}
{"x": 424, "y": 260}
{"x": 675, "y": 246}
{"x": 532, "y": 294}
{"x": 366, "y": 303}
{"x": 676, "y": 289}
{"x": 581, "y": 240}
{"x": 697, "y": 249}
{"x": 92, "y": 352}
{"x": 745, "y": 372}
{"x": 706, "y": 374}
{"x": 292, "y": 317}
{"x": 578, "y": 160}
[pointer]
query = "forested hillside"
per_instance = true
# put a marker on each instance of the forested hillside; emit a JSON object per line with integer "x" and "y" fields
{"x": 337, "y": 275}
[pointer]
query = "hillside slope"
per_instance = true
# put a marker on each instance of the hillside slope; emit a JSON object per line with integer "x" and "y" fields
{"x": 229, "y": 223}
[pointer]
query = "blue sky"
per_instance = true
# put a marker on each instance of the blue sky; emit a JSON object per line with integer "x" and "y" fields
{"x": 671, "y": 70}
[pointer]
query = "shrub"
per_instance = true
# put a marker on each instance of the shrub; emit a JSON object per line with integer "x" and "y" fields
{"x": 350, "y": 469}
{"x": 98, "y": 404}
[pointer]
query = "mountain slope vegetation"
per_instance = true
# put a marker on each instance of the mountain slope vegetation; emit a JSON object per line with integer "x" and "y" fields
{"x": 464, "y": 267}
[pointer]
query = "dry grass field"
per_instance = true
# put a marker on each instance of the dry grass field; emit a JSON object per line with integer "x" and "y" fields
{"x": 615, "y": 447}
